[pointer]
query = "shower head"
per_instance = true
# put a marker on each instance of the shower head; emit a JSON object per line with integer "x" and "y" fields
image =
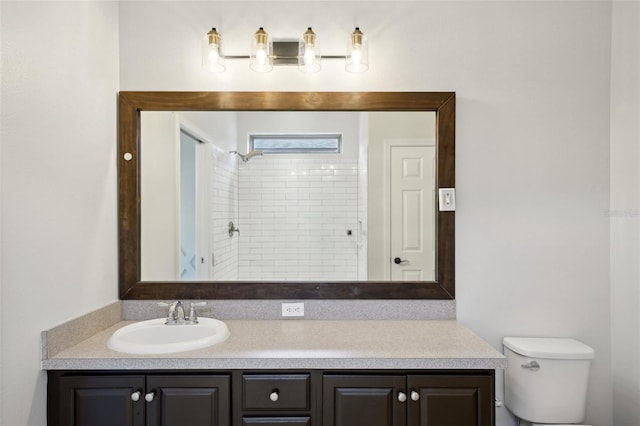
{"x": 251, "y": 154}
{"x": 246, "y": 157}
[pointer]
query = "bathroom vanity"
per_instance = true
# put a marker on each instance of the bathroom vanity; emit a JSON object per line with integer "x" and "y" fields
{"x": 272, "y": 397}
{"x": 282, "y": 372}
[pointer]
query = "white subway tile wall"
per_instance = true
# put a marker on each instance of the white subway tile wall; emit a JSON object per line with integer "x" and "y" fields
{"x": 298, "y": 219}
{"x": 224, "y": 208}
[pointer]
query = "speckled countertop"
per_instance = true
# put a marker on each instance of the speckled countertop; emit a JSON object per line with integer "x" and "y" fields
{"x": 302, "y": 344}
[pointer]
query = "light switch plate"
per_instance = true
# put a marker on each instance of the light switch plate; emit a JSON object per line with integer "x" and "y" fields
{"x": 447, "y": 199}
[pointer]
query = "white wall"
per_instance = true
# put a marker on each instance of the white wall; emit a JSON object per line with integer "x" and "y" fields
{"x": 159, "y": 234}
{"x": 532, "y": 83}
{"x": 625, "y": 212}
{"x": 58, "y": 174}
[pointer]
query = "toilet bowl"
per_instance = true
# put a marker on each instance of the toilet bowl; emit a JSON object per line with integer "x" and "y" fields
{"x": 546, "y": 380}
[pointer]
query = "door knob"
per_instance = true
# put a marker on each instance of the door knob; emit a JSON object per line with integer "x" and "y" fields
{"x": 402, "y": 397}
{"x": 398, "y": 261}
{"x": 149, "y": 397}
{"x": 135, "y": 396}
{"x": 415, "y": 396}
{"x": 274, "y": 396}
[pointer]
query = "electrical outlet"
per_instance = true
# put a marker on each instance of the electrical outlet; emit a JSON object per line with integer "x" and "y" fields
{"x": 293, "y": 309}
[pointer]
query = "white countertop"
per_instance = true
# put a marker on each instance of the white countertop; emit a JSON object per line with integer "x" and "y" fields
{"x": 303, "y": 344}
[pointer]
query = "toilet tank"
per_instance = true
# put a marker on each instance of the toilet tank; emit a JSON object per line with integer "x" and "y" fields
{"x": 546, "y": 379}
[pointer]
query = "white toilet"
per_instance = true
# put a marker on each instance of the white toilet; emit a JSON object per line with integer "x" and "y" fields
{"x": 546, "y": 379}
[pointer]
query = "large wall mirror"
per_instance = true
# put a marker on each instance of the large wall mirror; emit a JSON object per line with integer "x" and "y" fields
{"x": 285, "y": 195}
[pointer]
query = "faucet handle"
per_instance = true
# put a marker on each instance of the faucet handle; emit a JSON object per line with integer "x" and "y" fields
{"x": 193, "y": 318}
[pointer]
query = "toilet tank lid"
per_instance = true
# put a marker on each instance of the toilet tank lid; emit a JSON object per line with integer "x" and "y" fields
{"x": 549, "y": 347}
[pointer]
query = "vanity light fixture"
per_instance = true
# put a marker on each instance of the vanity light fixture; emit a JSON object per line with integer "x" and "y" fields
{"x": 212, "y": 59}
{"x": 309, "y": 52}
{"x": 305, "y": 53}
{"x": 357, "y": 52}
{"x": 261, "y": 59}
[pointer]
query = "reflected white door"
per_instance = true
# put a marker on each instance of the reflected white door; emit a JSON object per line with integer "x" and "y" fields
{"x": 187, "y": 207}
{"x": 412, "y": 212}
{"x": 194, "y": 222}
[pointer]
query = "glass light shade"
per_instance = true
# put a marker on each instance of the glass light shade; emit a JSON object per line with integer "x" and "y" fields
{"x": 212, "y": 57}
{"x": 357, "y": 52}
{"x": 261, "y": 59}
{"x": 309, "y": 52}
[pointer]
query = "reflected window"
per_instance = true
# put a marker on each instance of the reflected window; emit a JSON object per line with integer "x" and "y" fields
{"x": 296, "y": 143}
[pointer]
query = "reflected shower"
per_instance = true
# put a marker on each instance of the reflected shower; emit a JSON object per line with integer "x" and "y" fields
{"x": 246, "y": 157}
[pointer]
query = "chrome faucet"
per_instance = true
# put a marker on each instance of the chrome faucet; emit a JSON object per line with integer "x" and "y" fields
{"x": 176, "y": 313}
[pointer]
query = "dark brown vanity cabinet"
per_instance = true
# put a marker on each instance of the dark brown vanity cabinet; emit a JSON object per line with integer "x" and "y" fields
{"x": 411, "y": 400}
{"x": 274, "y": 398}
{"x": 138, "y": 400}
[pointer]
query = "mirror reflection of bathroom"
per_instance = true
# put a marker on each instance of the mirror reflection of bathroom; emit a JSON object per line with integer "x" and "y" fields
{"x": 326, "y": 196}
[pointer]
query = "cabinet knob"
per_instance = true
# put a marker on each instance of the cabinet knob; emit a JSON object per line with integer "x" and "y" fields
{"x": 135, "y": 396}
{"x": 274, "y": 396}
{"x": 149, "y": 397}
{"x": 415, "y": 396}
{"x": 402, "y": 397}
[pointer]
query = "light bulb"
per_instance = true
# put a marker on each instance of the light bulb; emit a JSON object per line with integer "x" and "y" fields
{"x": 356, "y": 57}
{"x": 214, "y": 56}
{"x": 358, "y": 52}
{"x": 309, "y": 56}
{"x": 261, "y": 56}
{"x": 261, "y": 59}
{"x": 308, "y": 52}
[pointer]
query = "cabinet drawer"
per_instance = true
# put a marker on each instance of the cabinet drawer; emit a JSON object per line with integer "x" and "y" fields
{"x": 275, "y": 391}
{"x": 276, "y": 421}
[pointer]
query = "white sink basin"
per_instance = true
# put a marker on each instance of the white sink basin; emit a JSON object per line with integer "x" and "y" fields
{"x": 154, "y": 337}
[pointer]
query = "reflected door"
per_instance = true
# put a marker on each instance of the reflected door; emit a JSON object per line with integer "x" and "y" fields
{"x": 187, "y": 207}
{"x": 193, "y": 211}
{"x": 412, "y": 215}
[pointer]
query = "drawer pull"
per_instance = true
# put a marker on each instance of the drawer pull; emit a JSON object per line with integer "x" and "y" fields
{"x": 274, "y": 396}
{"x": 149, "y": 397}
{"x": 402, "y": 397}
{"x": 415, "y": 396}
{"x": 135, "y": 396}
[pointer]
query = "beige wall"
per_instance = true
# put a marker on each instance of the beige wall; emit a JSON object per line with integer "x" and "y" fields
{"x": 625, "y": 212}
{"x": 58, "y": 123}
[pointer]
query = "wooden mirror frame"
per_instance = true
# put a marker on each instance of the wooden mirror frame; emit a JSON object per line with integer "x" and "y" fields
{"x": 130, "y": 104}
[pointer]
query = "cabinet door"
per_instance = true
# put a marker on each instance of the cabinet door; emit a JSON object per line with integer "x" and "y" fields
{"x": 363, "y": 400}
{"x": 99, "y": 401}
{"x": 199, "y": 400}
{"x": 450, "y": 400}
